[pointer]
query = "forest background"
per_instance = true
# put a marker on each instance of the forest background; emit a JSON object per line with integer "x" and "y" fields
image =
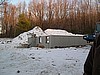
{"x": 76, "y": 16}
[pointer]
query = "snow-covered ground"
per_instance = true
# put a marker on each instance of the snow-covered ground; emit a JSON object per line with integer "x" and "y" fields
{"x": 37, "y": 61}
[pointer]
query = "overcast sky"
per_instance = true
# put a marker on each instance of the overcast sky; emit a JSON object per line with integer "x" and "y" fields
{"x": 17, "y": 1}
{"x": 27, "y": 1}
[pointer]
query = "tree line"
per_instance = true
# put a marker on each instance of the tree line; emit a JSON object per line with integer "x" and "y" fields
{"x": 76, "y": 16}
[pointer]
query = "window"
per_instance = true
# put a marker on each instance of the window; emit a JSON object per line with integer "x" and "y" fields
{"x": 47, "y": 39}
{"x": 40, "y": 39}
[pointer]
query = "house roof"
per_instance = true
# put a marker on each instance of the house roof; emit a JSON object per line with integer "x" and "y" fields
{"x": 60, "y": 32}
{"x": 38, "y": 31}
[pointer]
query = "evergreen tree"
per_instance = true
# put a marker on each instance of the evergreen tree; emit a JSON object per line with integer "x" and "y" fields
{"x": 23, "y": 24}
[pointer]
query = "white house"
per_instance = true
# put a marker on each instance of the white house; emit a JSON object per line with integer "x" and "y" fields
{"x": 56, "y": 38}
{"x": 49, "y": 38}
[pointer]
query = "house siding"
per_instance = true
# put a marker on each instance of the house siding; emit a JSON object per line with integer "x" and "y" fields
{"x": 64, "y": 41}
{"x": 57, "y": 41}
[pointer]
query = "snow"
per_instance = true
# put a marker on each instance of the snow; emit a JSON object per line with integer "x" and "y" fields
{"x": 37, "y": 61}
{"x": 23, "y": 38}
{"x": 59, "y": 32}
{"x": 38, "y": 31}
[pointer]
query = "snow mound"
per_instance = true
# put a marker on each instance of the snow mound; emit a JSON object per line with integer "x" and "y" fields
{"x": 59, "y": 32}
{"x": 23, "y": 38}
{"x": 38, "y": 31}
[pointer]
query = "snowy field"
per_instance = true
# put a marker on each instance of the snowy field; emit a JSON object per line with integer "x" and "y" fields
{"x": 37, "y": 61}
